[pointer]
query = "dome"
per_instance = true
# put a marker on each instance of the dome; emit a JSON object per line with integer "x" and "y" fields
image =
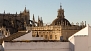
{"x": 61, "y": 21}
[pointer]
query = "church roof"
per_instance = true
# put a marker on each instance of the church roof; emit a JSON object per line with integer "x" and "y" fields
{"x": 61, "y": 21}
{"x": 13, "y": 36}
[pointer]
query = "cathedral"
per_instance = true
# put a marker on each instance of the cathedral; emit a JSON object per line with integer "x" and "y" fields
{"x": 59, "y": 29}
{"x": 15, "y": 22}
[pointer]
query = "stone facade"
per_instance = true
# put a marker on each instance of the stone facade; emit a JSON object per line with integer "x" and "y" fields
{"x": 55, "y": 32}
{"x": 4, "y": 32}
{"x": 60, "y": 28}
{"x": 15, "y": 22}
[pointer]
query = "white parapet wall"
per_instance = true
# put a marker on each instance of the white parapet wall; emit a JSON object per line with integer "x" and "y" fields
{"x": 36, "y": 46}
{"x": 72, "y": 42}
{"x": 81, "y": 43}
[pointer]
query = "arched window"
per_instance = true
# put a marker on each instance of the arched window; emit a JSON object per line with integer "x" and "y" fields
{"x": 55, "y": 36}
{"x": 41, "y": 35}
{"x": 33, "y": 35}
{"x": 45, "y": 36}
{"x": 50, "y": 36}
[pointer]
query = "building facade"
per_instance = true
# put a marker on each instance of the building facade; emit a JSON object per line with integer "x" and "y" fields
{"x": 60, "y": 28}
{"x": 80, "y": 41}
{"x": 15, "y": 22}
{"x": 4, "y": 32}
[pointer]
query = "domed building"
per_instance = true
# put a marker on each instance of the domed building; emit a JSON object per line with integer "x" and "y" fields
{"x": 61, "y": 20}
{"x": 60, "y": 28}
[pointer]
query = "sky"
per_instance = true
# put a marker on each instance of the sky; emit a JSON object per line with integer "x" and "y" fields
{"x": 75, "y": 10}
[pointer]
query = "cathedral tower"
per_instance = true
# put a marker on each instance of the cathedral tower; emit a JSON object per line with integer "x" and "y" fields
{"x": 26, "y": 14}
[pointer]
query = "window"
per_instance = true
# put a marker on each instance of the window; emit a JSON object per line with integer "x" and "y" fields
{"x": 55, "y": 36}
{"x": 0, "y": 31}
{"x": 6, "y": 33}
{"x": 33, "y": 35}
{"x": 39, "y": 32}
{"x": 45, "y": 36}
{"x": 50, "y": 36}
{"x": 41, "y": 35}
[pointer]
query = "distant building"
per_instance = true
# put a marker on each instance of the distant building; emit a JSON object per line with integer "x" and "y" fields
{"x": 79, "y": 41}
{"x": 4, "y": 32}
{"x": 15, "y": 22}
{"x": 60, "y": 27}
{"x": 60, "y": 35}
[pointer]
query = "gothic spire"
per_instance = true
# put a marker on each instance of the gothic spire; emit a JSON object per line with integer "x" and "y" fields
{"x": 41, "y": 18}
{"x": 33, "y": 18}
{"x": 38, "y": 18}
{"x": 4, "y": 11}
{"x": 38, "y": 21}
{"x": 20, "y": 11}
{"x": 25, "y": 8}
{"x": 85, "y": 23}
{"x": 16, "y": 13}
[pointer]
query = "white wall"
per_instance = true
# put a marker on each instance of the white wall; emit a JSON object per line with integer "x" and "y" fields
{"x": 28, "y": 36}
{"x": 78, "y": 40}
{"x": 37, "y": 38}
{"x": 71, "y": 39}
{"x": 36, "y": 46}
{"x": 72, "y": 43}
{"x": 89, "y": 38}
{"x": 81, "y": 43}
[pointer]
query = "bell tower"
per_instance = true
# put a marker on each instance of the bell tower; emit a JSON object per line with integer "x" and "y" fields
{"x": 60, "y": 12}
{"x": 26, "y": 15}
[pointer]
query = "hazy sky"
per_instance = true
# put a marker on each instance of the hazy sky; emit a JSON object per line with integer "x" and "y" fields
{"x": 75, "y": 10}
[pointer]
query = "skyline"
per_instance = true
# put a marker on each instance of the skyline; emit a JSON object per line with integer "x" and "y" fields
{"x": 75, "y": 11}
